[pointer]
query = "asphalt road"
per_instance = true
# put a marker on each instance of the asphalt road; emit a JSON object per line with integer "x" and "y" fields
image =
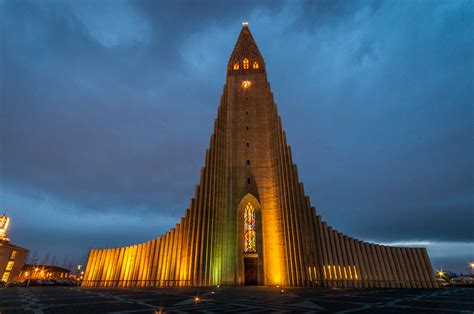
{"x": 235, "y": 299}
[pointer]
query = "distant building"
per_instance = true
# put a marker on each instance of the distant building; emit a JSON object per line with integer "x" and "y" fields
{"x": 29, "y": 271}
{"x": 12, "y": 257}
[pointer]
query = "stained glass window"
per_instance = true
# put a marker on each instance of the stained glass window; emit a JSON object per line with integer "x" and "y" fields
{"x": 255, "y": 65}
{"x": 250, "y": 228}
{"x": 246, "y": 64}
{"x": 236, "y": 66}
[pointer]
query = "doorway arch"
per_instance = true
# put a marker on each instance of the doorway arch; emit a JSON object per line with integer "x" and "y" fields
{"x": 249, "y": 242}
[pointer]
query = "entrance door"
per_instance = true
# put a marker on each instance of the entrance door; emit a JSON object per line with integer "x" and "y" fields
{"x": 251, "y": 271}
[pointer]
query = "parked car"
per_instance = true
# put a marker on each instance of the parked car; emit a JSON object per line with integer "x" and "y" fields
{"x": 16, "y": 284}
{"x": 36, "y": 283}
{"x": 442, "y": 282}
{"x": 49, "y": 282}
{"x": 462, "y": 281}
{"x": 67, "y": 283}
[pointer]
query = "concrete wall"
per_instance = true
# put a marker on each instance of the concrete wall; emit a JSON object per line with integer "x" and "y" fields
{"x": 248, "y": 155}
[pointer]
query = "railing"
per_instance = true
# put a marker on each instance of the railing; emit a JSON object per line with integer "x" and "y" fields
{"x": 136, "y": 283}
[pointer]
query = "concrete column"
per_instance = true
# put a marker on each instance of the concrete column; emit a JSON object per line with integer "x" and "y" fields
{"x": 161, "y": 254}
{"x": 331, "y": 257}
{"x": 139, "y": 263}
{"x": 120, "y": 267}
{"x": 424, "y": 270}
{"x": 381, "y": 266}
{"x": 389, "y": 267}
{"x": 364, "y": 270}
{"x": 372, "y": 258}
{"x": 416, "y": 268}
{"x": 408, "y": 267}
{"x": 352, "y": 261}
{"x": 174, "y": 252}
{"x": 393, "y": 266}
{"x": 429, "y": 268}
{"x": 322, "y": 253}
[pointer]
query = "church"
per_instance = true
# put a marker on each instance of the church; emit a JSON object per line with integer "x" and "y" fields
{"x": 250, "y": 221}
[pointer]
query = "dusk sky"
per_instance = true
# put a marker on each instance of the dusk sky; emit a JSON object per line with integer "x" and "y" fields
{"x": 107, "y": 107}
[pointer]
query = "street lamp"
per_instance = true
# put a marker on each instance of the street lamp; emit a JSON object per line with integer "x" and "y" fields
{"x": 441, "y": 273}
{"x": 471, "y": 264}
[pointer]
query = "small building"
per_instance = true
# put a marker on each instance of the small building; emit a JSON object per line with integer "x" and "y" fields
{"x": 12, "y": 257}
{"x": 29, "y": 271}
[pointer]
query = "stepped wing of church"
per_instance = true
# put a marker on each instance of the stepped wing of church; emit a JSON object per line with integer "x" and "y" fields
{"x": 250, "y": 222}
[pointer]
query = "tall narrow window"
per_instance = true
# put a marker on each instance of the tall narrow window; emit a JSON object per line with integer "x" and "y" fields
{"x": 236, "y": 66}
{"x": 246, "y": 64}
{"x": 250, "y": 228}
{"x": 255, "y": 65}
{"x": 9, "y": 266}
{"x": 248, "y": 162}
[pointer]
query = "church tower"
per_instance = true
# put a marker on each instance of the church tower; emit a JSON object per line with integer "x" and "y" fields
{"x": 253, "y": 218}
{"x": 250, "y": 222}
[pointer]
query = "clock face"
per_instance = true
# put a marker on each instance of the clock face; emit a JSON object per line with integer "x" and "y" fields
{"x": 246, "y": 84}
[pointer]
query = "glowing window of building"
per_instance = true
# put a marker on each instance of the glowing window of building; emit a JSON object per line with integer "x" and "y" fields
{"x": 13, "y": 255}
{"x": 355, "y": 273}
{"x": 9, "y": 266}
{"x": 236, "y": 66}
{"x": 250, "y": 227}
{"x": 255, "y": 65}
{"x": 5, "y": 276}
{"x": 246, "y": 64}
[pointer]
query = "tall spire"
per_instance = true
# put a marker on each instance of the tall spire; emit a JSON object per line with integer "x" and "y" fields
{"x": 245, "y": 48}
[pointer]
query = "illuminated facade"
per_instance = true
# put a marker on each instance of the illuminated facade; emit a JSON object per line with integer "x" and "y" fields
{"x": 12, "y": 257}
{"x": 29, "y": 271}
{"x": 4, "y": 224}
{"x": 250, "y": 221}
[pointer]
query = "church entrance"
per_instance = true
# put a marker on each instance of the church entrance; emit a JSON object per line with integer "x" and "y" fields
{"x": 251, "y": 271}
{"x": 249, "y": 234}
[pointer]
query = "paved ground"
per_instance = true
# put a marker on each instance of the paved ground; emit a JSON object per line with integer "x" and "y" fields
{"x": 234, "y": 299}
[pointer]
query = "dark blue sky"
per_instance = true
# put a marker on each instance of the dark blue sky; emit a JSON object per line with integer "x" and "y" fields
{"x": 107, "y": 108}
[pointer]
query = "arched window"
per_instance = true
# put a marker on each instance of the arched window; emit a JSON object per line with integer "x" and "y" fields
{"x": 250, "y": 230}
{"x": 236, "y": 66}
{"x": 255, "y": 65}
{"x": 246, "y": 64}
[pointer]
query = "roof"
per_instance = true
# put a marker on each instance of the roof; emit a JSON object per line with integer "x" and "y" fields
{"x": 246, "y": 47}
{"x": 12, "y": 246}
{"x": 48, "y": 268}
